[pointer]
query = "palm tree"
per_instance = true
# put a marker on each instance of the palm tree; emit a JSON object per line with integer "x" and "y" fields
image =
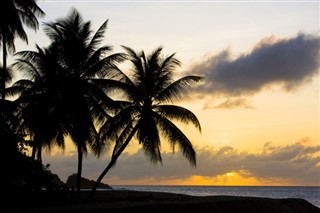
{"x": 39, "y": 97}
{"x": 84, "y": 102}
{"x": 13, "y": 14}
{"x": 148, "y": 113}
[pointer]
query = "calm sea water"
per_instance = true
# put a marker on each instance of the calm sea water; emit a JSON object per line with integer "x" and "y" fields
{"x": 311, "y": 194}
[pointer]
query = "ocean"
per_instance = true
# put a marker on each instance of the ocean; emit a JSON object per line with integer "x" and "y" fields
{"x": 310, "y": 193}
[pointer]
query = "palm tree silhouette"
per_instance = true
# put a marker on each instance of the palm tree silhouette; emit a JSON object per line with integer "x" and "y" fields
{"x": 13, "y": 14}
{"x": 148, "y": 111}
{"x": 84, "y": 101}
{"x": 39, "y": 100}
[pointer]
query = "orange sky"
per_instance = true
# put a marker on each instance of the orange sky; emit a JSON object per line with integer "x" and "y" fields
{"x": 271, "y": 120}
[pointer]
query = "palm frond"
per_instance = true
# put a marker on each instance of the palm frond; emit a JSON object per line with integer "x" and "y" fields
{"x": 115, "y": 125}
{"x": 100, "y": 103}
{"x": 135, "y": 59}
{"x": 178, "y": 113}
{"x": 97, "y": 55}
{"x": 85, "y": 35}
{"x": 178, "y": 89}
{"x": 154, "y": 57}
{"x": 28, "y": 55}
{"x": 53, "y": 31}
{"x": 28, "y": 67}
{"x": 23, "y": 84}
{"x": 110, "y": 85}
{"x": 106, "y": 67}
{"x": 98, "y": 36}
{"x": 14, "y": 91}
{"x": 176, "y": 137}
{"x": 28, "y": 18}
{"x": 96, "y": 145}
{"x": 168, "y": 65}
{"x": 29, "y": 7}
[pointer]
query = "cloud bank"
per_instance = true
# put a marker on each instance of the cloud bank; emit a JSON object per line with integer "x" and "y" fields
{"x": 288, "y": 63}
{"x": 297, "y": 164}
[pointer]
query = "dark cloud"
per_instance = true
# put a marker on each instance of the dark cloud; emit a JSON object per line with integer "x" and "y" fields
{"x": 288, "y": 63}
{"x": 296, "y": 163}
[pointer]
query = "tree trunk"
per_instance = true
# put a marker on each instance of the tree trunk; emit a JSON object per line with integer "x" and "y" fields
{"x": 39, "y": 154}
{"x": 78, "y": 187}
{"x": 34, "y": 150}
{"x": 4, "y": 67}
{"x": 112, "y": 162}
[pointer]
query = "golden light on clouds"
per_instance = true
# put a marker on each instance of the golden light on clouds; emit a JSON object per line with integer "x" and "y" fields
{"x": 227, "y": 179}
{"x": 259, "y": 105}
{"x": 291, "y": 164}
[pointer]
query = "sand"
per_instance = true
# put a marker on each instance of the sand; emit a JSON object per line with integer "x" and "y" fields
{"x": 154, "y": 202}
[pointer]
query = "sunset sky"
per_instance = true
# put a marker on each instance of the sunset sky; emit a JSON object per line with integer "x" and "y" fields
{"x": 258, "y": 105}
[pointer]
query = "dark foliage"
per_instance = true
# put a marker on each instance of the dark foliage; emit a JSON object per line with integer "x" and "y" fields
{"x": 26, "y": 174}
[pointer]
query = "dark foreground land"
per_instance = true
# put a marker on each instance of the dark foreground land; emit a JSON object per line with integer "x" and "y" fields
{"x": 153, "y": 202}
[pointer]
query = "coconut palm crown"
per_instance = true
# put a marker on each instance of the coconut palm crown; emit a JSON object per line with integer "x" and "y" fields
{"x": 81, "y": 102}
{"x": 39, "y": 99}
{"x": 148, "y": 112}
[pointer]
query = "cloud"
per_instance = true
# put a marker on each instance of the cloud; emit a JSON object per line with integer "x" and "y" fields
{"x": 296, "y": 163}
{"x": 231, "y": 103}
{"x": 288, "y": 63}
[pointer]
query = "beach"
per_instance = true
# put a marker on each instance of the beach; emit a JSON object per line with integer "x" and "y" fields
{"x": 142, "y": 201}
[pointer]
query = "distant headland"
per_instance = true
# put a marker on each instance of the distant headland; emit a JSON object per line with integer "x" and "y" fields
{"x": 85, "y": 183}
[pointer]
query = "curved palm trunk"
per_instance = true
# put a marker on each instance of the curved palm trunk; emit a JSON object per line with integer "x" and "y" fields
{"x": 78, "y": 187}
{"x": 112, "y": 162}
{"x": 4, "y": 67}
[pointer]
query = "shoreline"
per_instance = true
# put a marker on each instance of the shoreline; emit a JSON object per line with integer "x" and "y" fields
{"x": 309, "y": 193}
{"x": 145, "y": 201}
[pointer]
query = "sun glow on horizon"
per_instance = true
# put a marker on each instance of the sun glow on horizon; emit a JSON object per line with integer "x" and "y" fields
{"x": 227, "y": 179}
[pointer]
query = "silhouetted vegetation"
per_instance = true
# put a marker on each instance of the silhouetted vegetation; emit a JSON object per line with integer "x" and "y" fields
{"x": 62, "y": 97}
{"x": 66, "y": 92}
{"x": 85, "y": 183}
{"x": 13, "y": 14}
{"x": 147, "y": 112}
